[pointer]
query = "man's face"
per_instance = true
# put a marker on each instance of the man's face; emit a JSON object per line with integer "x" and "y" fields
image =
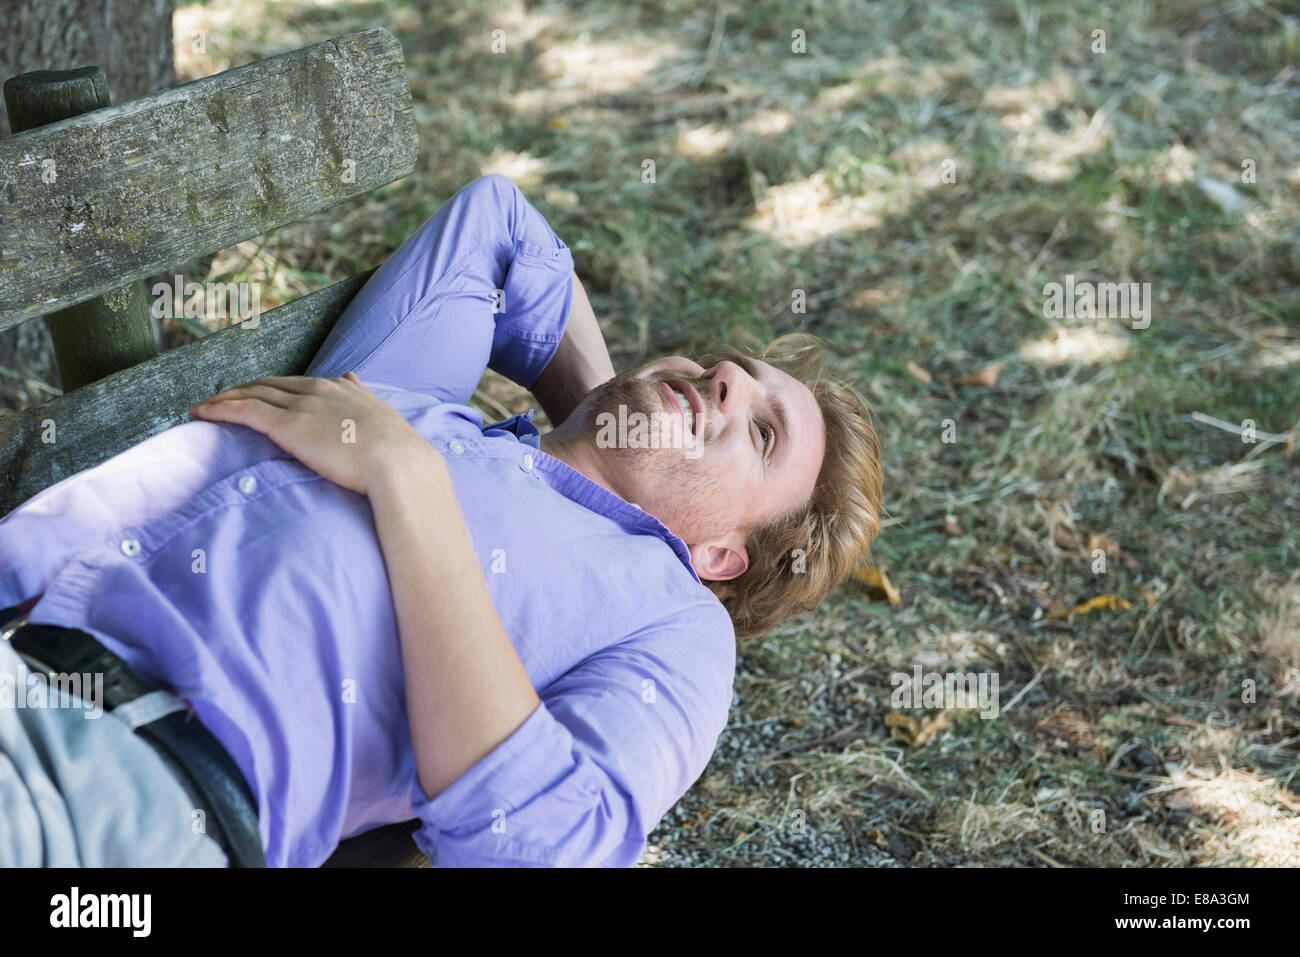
{"x": 758, "y": 445}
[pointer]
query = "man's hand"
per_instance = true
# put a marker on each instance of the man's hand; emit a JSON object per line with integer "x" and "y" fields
{"x": 336, "y": 427}
{"x": 466, "y": 689}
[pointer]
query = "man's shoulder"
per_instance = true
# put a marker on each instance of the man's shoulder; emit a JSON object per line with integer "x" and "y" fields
{"x": 698, "y": 624}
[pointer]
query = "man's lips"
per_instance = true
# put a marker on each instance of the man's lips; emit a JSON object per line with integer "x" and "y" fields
{"x": 692, "y": 398}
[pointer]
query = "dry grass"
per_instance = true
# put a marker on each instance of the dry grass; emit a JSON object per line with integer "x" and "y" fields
{"x": 777, "y": 171}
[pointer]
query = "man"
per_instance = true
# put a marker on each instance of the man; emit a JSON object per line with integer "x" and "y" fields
{"x": 384, "y": 610}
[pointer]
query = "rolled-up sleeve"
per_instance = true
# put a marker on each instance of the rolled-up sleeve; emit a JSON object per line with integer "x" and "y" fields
{"x": 535, "y": 303}
{"x": 484, "y": 283}
{"x": 611, "y": 747}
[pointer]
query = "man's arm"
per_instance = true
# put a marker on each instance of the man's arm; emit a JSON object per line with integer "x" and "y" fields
{"x": 485, "y": 278}
{"x": 578, "y": 776}
{"x": 466, "y": 689}
{"x": 616, "y": 741}
{"x": 581, "y": 361}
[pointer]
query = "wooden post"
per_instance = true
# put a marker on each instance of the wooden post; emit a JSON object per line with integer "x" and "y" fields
{"x": 112, "y": 332}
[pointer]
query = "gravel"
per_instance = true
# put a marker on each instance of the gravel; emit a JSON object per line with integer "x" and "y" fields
{"x": 776, "y": 842}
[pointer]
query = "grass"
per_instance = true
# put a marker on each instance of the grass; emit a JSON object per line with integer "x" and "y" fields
{"x": 776, "y": 171}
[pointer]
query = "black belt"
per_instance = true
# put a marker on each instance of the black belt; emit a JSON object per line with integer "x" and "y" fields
{"x": 196, "y": 759}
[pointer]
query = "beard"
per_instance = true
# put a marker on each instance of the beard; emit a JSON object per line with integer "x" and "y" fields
{"x": 682, "y": 490}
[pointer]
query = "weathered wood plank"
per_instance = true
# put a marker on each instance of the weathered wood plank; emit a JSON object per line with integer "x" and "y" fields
{"x": 99, "y": 420}
{"x": 97, "y": 337}
{"x": 139, "y": 187}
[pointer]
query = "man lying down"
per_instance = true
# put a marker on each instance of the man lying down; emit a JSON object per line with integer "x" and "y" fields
{"x": 339, "y": 601}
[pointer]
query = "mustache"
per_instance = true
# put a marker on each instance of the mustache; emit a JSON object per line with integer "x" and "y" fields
{"x": 625, "y": 386}
{"x": 626, "y": 382}
{"x": 643, "y": 395}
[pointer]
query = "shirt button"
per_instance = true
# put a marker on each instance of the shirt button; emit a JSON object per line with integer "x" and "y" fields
{"x": 528, "y": 461}
{"x": 130, "y": 546}
{"x": 456, "y": 446}
{"x": 248, "y": 485}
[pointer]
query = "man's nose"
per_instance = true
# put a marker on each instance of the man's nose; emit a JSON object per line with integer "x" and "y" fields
{"x": 733, "y": 385}
{"x": 730, "y": 389}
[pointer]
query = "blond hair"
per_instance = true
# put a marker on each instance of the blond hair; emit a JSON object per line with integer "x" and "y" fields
{"x": 797, "y": 558}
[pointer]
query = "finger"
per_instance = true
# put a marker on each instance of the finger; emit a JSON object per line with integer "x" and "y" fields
{"x": 249, "y": 411}
{"x": 268, "y": 394}
{"x": 299, "y": 384}
{"x": 352, "y": 377}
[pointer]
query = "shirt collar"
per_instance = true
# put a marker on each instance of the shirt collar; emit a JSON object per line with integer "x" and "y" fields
{"x": 584, "y": 491}
{"x": 520, "y": 426}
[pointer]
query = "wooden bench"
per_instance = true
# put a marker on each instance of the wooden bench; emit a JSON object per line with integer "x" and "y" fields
{"x": 94, "y": 198}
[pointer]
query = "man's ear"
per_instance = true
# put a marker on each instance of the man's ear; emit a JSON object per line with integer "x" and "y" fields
{"x": 721, "y": 560}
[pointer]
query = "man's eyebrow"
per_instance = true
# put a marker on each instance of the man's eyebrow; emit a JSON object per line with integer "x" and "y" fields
{"x": 778, "y": 408}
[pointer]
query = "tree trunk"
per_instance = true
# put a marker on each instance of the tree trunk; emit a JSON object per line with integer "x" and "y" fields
{"x": 131, "y": 40}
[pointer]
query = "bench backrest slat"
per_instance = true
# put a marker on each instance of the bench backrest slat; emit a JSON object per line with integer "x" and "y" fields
{"x": 159, "y": 180}
{"x": 99, "y": 420}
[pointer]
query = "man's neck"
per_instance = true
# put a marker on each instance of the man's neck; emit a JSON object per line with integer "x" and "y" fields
{"x": 576, "y": 454}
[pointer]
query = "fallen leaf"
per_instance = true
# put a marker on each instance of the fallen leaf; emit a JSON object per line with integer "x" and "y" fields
{"x": 950, "y": 526}
{"x": 1096, "y": 542}
{"x": 903, "y": 727}
{"x": 930, "y": 727}
{"x": 868, "y": 297}
{"x": 875, "y": 578}
{"x": 703, "y": 815}
{"x": 1109, "y": 602}
{"x": 918, "y": 373}
{"x": 987, "y": 377}
{"x": 1064, "y": 536}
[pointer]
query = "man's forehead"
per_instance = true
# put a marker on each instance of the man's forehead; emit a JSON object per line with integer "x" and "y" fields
{"x": 766, "y": 371}
{"x": 770, "y": 375}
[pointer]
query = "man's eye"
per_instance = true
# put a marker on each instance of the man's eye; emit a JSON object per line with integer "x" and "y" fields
{"x": 762, "y": 429}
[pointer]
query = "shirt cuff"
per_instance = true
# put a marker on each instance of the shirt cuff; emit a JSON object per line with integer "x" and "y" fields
{"x": 536, "y": 299}
{"x": 469, "y": 823}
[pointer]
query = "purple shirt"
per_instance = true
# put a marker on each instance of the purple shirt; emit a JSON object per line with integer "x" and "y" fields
{"x": 214, "y": 563}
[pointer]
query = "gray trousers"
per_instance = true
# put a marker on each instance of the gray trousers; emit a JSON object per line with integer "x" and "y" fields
{"x": 79, "y": 788}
